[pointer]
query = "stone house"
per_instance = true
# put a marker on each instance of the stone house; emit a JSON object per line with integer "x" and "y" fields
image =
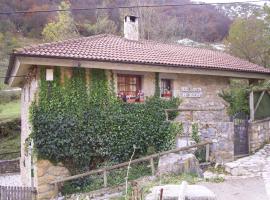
{"x": 195, "y": 75}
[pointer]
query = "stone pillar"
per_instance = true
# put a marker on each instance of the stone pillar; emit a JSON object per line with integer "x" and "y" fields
{"x": 45, "y": 173}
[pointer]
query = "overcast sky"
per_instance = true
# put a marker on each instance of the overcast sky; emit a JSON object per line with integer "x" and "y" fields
{"x": 227, "y": 1}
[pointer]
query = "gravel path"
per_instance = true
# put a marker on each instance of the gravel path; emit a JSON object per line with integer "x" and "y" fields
{"x": 10, "y": 180}
{"x": 266, "y": 176}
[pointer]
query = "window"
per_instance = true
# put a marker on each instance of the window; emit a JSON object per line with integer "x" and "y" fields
{"x": 166, "y": 88}
{"x": 129, "y": 88}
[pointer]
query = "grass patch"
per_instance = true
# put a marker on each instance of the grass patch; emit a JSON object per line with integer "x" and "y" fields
{"x": 10, "y": 111}
{"x": 10, "y": 143}
{"x": 217, "y": 179}
{"x": 217, "y": 170}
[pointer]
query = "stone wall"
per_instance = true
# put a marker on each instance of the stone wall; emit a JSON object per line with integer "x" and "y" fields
{"x": 46, "y": 172}
{"x": 10, "y": 166}
{"x": 222, "y": 136}
{"x": 210, "y": 86}
{"x": 259, "y": 134}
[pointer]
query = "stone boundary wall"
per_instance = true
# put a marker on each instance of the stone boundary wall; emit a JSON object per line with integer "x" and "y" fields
{"x": 259, "y": 134}
{"x": 10, "y": 166}
{"x": 222, "y": 136}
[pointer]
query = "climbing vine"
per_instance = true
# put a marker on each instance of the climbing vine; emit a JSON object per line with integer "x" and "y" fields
{"x": 83, "y": 125}
{"x": 157, "y": 87}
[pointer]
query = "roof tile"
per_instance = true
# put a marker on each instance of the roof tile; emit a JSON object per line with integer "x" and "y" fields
{"x": 117, "y": 49}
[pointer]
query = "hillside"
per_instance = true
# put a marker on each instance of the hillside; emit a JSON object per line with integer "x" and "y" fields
{"x": 239, "y": 10}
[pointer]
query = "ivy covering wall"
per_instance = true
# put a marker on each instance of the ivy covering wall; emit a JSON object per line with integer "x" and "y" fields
{"x": 83, "y": 124}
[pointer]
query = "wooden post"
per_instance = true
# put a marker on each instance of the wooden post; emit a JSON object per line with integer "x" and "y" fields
{"x": 251, "y": 106}
{"x": 152, "y": 166}
{"x": 259, "y": 101}
{"x": 207, "y": 152}
{"x": 161, "y": 194}
{"x": 105, "y": 178}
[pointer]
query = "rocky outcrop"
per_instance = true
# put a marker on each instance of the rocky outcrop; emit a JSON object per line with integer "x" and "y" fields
{"x": 177, "y": 164}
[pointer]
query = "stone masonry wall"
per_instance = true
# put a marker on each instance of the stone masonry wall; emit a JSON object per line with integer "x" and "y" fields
{"x": 259, "y": 134}
{"x": 46, "y": 172}
{"x": 210, "y": 86}
{"x": 222, "y": 136}
{"x": 10, "y": 166}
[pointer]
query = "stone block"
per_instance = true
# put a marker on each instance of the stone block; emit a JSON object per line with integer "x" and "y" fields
{"x": 58, "y": 171}
{"x": 181, "y": 192}
{"x": 44, "y": 164}
{"x": 45, "y": 188}
{"x": 46, "y": 179}
{"x": 177, "y": 164}
{"x": 41, "y": 171}
{"x": 46, "y": 173}
{"x": 47, "y": 195}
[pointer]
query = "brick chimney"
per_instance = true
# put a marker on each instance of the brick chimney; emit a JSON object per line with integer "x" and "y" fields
{"x": 131, "y": 27}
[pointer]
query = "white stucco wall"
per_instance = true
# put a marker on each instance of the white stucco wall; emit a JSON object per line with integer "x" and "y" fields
{"x": 28, "y": 95}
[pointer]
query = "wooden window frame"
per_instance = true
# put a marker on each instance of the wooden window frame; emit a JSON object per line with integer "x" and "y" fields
{"x": 127, "y": 94}
{"x": 162, "y": 88}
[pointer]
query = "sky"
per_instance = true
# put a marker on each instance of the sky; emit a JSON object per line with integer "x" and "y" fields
{"x": 228, "y": 1}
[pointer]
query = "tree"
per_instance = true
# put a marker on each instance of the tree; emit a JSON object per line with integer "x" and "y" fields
{"x": 102, "y": 25}
{"x": 249, "y": 39}
{"x": 63, "y": 28}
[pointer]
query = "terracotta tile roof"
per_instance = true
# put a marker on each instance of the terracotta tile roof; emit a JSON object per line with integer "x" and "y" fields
{"x": 118, "y": 49}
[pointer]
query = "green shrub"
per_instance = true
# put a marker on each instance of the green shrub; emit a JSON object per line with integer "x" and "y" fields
{"x": 195, "y": 133}
{"x": 237, "y": 96}
{"x": 115, "y": 177}
{"x": 83, "y": 126}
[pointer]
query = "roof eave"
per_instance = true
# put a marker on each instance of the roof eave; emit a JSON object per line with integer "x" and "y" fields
{"x": 13, "y": 57}
{"x": 10, "y": 67}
